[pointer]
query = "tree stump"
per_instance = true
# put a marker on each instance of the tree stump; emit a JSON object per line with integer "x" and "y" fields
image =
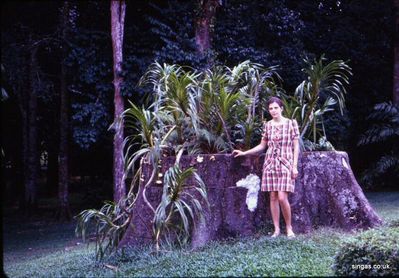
{"x": 326, "y": 194}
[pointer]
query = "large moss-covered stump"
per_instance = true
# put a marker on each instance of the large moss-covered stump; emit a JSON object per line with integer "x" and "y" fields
{"x": 326, "y": 194}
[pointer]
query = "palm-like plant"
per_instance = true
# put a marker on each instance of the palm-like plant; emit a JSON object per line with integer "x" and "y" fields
{"x": 323, "y": 89}
{"x": 385, "y": 130}
{"x": 208, "y": 142}
{"x": 159, "y": 76}
{"x": 232, "y": 100}
{"x": 173, "y": 89}
{"x": 210, "y": 137}
{"x": 254, "y": 82}
{"x": 386, "y": 124}
{"x": 154, "y": 135}
{"x": 206, "y": 106}
{"x": 110, "y": 223}
{"x": 178, "y": 202}
{"x": 153, "y": 141}
{"x": 213, "y": 94}
{"x": 112, "y": 220}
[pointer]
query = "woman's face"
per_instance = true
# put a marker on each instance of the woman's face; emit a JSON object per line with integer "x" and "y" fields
{"x": 275, "y": 110}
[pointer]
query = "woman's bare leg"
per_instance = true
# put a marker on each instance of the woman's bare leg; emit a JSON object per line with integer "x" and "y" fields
{"x": 286, "y": 210}
{"x": 275, "y": 211}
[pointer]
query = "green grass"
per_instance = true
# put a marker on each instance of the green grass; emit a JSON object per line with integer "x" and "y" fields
{"x": 59, "y": 255}
{"x": 386, "y": 204}
{"x": 303, "y": 256}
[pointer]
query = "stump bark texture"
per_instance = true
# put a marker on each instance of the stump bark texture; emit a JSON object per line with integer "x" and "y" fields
{"x": 326, "y": 194}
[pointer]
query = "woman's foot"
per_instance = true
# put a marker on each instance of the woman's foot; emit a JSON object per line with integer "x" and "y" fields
{"x": 275, "y": 234}
{"x": 290, "y": 234}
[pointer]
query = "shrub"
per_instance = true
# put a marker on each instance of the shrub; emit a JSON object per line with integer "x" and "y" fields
{"x": 372, "y": 253}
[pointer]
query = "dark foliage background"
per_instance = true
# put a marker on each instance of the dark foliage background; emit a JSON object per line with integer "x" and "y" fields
{"x": 268, "y": 32}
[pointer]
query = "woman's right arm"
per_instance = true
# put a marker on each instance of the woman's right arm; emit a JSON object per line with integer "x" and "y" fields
{"x": 259, "y": 148}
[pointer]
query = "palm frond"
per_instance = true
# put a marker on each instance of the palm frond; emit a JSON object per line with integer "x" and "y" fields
{"x": 386, "y": 163}
{"x": 175, "y": 203}
{"x": 111, "y": 222}
{"x": 378, "y": 133}
{"x": 385, "y": 124}
{"x": 323, "y": 90}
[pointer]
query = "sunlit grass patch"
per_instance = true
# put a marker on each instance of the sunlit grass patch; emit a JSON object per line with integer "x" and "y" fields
{"x": 386, "y": 204}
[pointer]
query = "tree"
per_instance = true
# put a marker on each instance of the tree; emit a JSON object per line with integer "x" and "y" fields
{"x": 15, "y": 60}
{"x": 396, "y": 61}
{"x": 204, "y": 25}
{"x": 32, "y": 152}
{"x": 3, "y": 97}
{"x": 118, "y": 10}
{"x": 66, "y": 21}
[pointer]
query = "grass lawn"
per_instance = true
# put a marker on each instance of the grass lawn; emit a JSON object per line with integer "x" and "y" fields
{"x": 39, "y": 248}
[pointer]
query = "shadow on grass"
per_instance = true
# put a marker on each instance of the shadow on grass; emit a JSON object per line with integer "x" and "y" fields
{"x": 27, "y": 237}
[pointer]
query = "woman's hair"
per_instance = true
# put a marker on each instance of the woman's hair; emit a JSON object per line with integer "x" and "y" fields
{"x": 275, "y": 100}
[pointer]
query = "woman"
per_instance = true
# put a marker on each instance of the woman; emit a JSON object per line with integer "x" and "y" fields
{"x": 280, "y": 169}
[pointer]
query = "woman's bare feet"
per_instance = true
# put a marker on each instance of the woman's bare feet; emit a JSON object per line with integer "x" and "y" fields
{"x": 290, "y": 233}
{"x": 276, "y": 233}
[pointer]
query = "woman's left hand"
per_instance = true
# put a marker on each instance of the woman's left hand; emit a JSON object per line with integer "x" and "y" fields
{"x": 294, "y": 172}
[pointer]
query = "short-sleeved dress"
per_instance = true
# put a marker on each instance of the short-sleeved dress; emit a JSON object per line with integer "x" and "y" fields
{"x": 276, "y": 174}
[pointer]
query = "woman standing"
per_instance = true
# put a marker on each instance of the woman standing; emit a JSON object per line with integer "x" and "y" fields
{"x": 280, "y": 169}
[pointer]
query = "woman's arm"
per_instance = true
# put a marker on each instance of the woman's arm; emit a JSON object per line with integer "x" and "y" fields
{"x": 296, "y": 153}
{"x": 254, "y": 150}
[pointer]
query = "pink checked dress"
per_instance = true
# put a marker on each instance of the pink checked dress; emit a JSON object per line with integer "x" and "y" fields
{"x": 279, "y": 156}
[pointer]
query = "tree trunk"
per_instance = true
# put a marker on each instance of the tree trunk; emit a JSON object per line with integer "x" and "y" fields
{"x": 204, "y": 24}
{"x": 326, "y": 194}
{"x": 63, "y": 169}
{"x": 32, "y": 144}
{"x": 64, "y": 212}
{"x": 23, "y": 101}
{"x": 118, "y": 9}
{"x": 52, "y": 167}
{"x": 395, "y": 97}
{"x": 22, "y": 96}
